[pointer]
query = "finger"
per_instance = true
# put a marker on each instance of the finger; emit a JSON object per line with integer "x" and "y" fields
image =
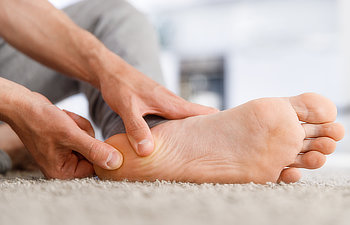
{"x": 139, "y": 134}
{"x": 84, "y": 169}
{"x": 75, "y": 168}
{"x": 197, "y": 109}
{"x": 82, "y": 123}
{"x": 97, "y": 152}
{"x": 183, "y": 109}
{"x": 80, "y": 156}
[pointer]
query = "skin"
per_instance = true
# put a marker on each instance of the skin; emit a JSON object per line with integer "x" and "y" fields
{"x": 264, "y": 140}
{"x": 12, "y": 145}
{"x": 57, "y": 141}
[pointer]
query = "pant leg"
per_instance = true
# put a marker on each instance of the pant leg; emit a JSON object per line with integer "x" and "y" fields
{"x": 127, "y": 32}
{"x": 19, "y": 68}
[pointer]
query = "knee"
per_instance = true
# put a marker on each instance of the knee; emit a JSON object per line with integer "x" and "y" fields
{"x": 129, "y": 33}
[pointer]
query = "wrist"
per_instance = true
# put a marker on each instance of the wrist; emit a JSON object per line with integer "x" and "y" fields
{"x": 88, "y": 49}
{"x": 106, "y": 66}
{"x": 13, "y": 98}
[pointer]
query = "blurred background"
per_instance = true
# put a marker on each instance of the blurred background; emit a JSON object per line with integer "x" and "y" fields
{"x": 223, "y": 53}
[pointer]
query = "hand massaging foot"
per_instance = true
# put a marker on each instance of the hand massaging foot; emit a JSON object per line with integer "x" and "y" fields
{"x": 264, "y": 140}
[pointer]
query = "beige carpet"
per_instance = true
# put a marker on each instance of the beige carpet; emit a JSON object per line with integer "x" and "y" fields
{"x": 322, "y": 197}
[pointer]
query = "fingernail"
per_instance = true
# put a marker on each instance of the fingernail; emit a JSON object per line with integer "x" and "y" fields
{"x": 144, "y": 147}
{"x": 114, "y": 160}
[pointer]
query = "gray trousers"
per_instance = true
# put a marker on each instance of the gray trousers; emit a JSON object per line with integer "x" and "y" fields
{"x": 122, "y": 29}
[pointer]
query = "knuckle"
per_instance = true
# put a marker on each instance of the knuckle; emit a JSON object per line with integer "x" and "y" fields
{"x": 66, "y": 133}
{"x": 135, "y": 126}
{"x": 93, "y": 151}
{"x": 137, "y": 133}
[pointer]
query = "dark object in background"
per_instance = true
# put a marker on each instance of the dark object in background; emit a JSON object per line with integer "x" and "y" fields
{"x": 202, "y": 80}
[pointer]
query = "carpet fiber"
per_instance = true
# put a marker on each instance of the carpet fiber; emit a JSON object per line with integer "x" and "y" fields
{"x": 320, "y": 198}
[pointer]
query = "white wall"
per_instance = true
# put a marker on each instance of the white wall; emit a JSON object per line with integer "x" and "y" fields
{"x": 344, "y": 21}
{"x": 274, "y": 48}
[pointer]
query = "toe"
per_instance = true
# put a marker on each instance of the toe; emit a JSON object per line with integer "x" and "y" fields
{"x": 324, "y": 145}
{"x": 331, "y": 130}
{"x": 309, "y": 160}
{"x": 289, "y": 175}
{"x": 314, "y": 108}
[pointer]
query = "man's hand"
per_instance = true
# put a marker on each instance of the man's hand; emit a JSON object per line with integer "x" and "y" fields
{"x": 59, "y": 141}
{"x": 65, "y": 47}
{"x": 133, "y": 95}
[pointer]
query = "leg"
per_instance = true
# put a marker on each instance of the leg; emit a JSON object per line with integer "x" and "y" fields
{"x": 19, "y": 68}
{"x": 133, "y": 39}
{"x": 126, "y": 32}
{"x": 254, "y": 142}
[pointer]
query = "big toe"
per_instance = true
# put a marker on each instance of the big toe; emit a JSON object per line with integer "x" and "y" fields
{"x": 314, "y": 108}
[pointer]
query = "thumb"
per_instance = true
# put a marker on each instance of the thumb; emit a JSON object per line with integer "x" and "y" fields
{"x": 187, "y": 109}
{"x": 98, "y": 152}
{"x": 193, "y": 109}
{"x": 139, "y": 134}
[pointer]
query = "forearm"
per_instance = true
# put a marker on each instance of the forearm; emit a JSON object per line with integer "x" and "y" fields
{"x": 12, "y": 99}
{"x": 47, "y": 35}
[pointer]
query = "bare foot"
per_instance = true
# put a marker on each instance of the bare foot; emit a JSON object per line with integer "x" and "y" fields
{"x": 13, "y": 146}
{"x": 254, "y": 142}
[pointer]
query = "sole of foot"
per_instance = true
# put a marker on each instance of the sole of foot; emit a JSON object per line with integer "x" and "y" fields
{"x": 264, "y": 140}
